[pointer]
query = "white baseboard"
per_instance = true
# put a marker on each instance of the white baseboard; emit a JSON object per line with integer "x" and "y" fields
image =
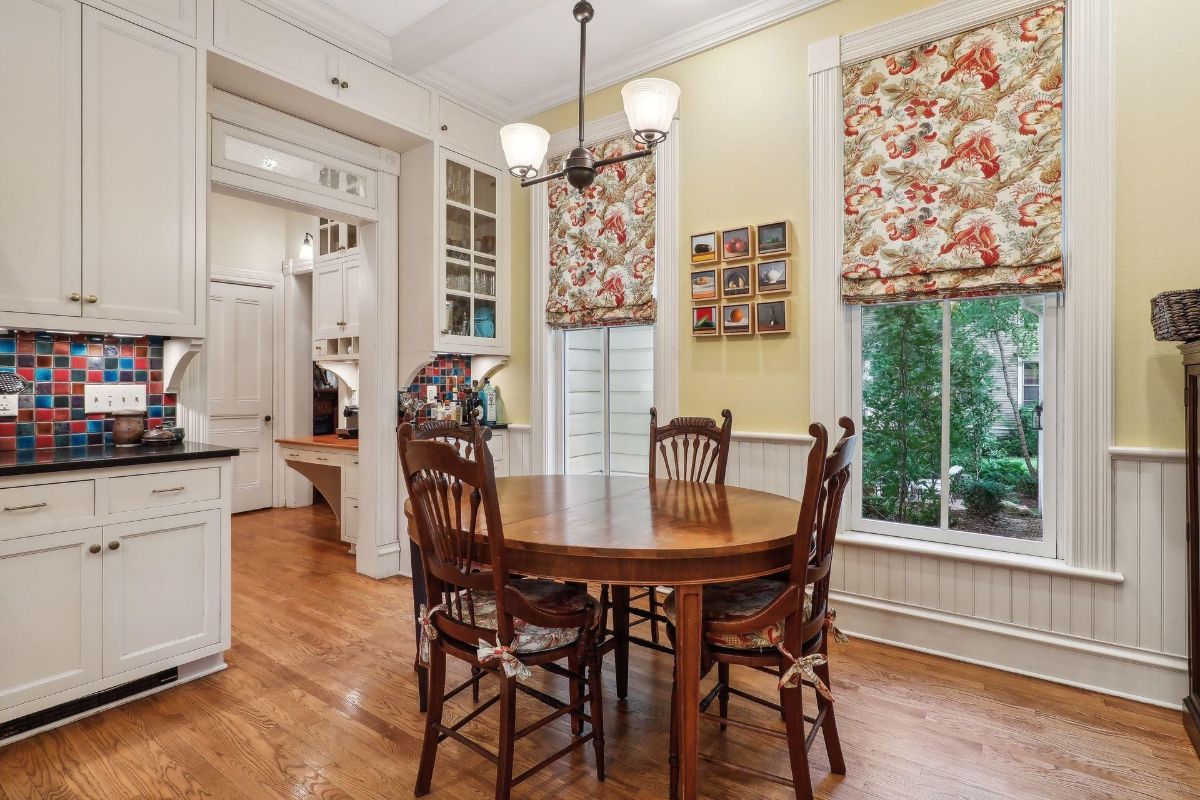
{"x": 1128, "y": 672}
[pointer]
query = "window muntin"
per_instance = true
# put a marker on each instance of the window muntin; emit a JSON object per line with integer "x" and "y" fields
{"x": 939, "y": 389}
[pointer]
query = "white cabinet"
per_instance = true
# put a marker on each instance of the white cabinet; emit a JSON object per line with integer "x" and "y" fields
{"x": 40, "y": 154}
{"x": 132, "y": 578}
{"x": 178, "y": 15}
{"x": 454, "y": 257}
{"x": 336, "y": 298}
{"x": 139, "y": 174}
{"x": 298, "y": 57}
{"x": 467, "y": 132}
{"x": 161, "y": 588}
{"x": 282, "y": 49}
{"x": 49, "y": 614}
{"x": 99, "y": 215}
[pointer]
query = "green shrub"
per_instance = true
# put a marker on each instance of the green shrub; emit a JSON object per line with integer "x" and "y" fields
{"x": 1008, "y": 471}
{"x": 983, "y": 497}
{"x": 1027, "y": 486}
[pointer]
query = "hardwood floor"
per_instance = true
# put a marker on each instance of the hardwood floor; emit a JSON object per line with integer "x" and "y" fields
{"x": 319, "y": 701}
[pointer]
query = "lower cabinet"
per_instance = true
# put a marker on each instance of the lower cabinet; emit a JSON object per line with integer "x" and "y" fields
{"x": 50, "y": 614}
{"x": 79, "y": 606}
{"x": 161, "y": 588}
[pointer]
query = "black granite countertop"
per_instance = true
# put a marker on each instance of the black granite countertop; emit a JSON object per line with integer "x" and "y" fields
{"x": 61, "y": 459}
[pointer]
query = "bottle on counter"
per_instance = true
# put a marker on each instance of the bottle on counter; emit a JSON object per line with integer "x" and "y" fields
{"x": 490, "y": 397}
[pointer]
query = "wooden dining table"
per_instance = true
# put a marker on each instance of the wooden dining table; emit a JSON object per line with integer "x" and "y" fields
{"x": 630, "y": 531}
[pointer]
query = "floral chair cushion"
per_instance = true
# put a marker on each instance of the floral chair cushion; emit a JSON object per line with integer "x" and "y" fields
{"x": 478, "y": 608}
{"x": 728, "y": 601}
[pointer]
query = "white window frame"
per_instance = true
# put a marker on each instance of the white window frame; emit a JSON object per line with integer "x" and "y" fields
{"x": 1084, "y": 494}
{"x": 1021, "y": 364}
{"x": 547, "y": 412}
{"x": 1049, "y": 475}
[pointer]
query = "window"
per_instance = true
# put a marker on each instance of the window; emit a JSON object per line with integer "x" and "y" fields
{"x": 609, "y": 388}
{"x": 951, "y": 451}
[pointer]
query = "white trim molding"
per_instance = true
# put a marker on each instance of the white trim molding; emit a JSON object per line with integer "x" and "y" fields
{"x": 545, "y": 346}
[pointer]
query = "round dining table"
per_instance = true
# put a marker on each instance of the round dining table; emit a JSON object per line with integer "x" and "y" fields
{"x": 631, "y": 531}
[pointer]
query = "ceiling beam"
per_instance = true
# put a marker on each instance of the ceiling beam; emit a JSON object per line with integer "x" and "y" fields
{"x": 454, "y": 26}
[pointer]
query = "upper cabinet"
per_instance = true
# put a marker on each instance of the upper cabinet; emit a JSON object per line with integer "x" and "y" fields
{"x": 178, "y": 15}
{"x": 453, "y": 256}
{"x": 100, "y": 137}
{"x": 266, "y": 42}
{"x": 467, "y": 132}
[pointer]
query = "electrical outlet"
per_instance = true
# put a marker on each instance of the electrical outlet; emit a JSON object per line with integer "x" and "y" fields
{"x": 431, "y": 392}
{"x": 104, "y": 398}
{"x": 8, "y": 405}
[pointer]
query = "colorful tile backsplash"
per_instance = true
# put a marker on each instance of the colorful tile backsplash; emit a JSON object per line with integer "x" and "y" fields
{"x": 451, "y": 374}
{"x": 58, "y": 365}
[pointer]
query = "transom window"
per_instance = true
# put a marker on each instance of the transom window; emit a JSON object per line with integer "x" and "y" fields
{"x": 956, "y": 413}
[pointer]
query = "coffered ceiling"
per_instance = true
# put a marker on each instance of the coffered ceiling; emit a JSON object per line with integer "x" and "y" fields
{"x": 513, "y": 58}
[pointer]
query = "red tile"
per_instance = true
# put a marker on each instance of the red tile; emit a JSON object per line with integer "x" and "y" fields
{"x": 44, "y": 361}
{"x": 78, "y": 388}
{"x": 156, "y": 375}
{"x": 44, "y": 414}
{"x": 79, "y": 426}
{"x": 127, "y": 350}
{"x": 8, "y": 429}
{"x": 95, "y": 349}
{"x": 25, "y": 372}
{"x": 95, "y": 376}
{"x": 65, "y": 386}
{"x": 168, "y": 399}
{"x": 25, "y": 346}
{"x": 141, "y": 350}
{"x": 44, "y": 441}
{"x": 141, "y": 363}
{"x": 45, "y": 428}
{"x": 95, "y": 416}
{"x": 25, "y": 415}
{"x": 64, "y": 376}
{"x": 154, "y": 423}
{"x": 62, "y": 414}
{"x": 155, "y": 387}
{"x": 62, "y": 348}
{"x": 78, "y": 362}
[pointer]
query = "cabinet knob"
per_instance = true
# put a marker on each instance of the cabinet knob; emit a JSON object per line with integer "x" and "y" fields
{"x": 345, "y": 85}
{"x": 335, "y": 80}
{"x": 267, "y": 418}
{"x": 91, "y": 298}
{"x": 75, "y": 297}
{"x": 114, "y": 545}
{"x": 445, "y": 127}
{"x": 94, "y": 549}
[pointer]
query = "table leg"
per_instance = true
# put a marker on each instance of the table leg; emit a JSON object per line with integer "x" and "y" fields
{"x": 689, "y": 613}
{"x": 419, "y": 598}
{"x": 620, "y": 627}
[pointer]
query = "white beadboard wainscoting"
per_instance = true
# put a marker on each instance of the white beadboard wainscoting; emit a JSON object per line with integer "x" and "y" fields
{"x": 1123, "y": 637}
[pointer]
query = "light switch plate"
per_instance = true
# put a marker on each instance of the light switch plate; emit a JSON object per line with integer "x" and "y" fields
{"x": 8, "y": 405}
{"x": 104, "y": 398}
{"x": 431, "y": 393}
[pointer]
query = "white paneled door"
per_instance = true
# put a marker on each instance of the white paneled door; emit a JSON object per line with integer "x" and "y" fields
{"x": 240, "y": 360}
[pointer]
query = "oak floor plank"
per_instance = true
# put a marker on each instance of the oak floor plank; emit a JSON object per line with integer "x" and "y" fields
{"x": 319, "y": 703}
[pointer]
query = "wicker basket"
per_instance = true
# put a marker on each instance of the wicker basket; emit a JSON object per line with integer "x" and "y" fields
{"x": 1176, "y": 315}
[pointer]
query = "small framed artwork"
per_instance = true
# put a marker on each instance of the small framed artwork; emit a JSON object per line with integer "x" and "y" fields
{"x": 774, "y": 239}
{"x": 737, "y": 243}
{"x": 736, "y": 319}
{"x": 704, "y": 248}
{"x": 772, "y": 276}
{"x": 737, "y": 281}
{"x": 704, "y": 285}
{"x": 771, "y": 316}
{"x": 704, "y": 321}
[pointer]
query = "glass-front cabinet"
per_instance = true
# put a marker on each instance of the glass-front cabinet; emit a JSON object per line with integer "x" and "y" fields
{"x": 471, "y": 278}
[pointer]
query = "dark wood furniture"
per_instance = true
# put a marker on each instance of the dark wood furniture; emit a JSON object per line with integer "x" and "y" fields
{"x": 488, "y": 619}
{"x": 782, "y": 626}
{"x": 691, "y": 449}
{"x": 1191, "y": 399}
{"x": 639, "y": 532}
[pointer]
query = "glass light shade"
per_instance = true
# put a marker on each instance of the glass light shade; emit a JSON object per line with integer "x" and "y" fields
{"x": 524, "y": 148}
{"x": 650, "y": 105}
{"x": 306, "y": 248}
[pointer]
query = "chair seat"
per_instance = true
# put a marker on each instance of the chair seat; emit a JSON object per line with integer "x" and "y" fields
{"x": 728, "y": 601}
{"x": 477, "y": 607}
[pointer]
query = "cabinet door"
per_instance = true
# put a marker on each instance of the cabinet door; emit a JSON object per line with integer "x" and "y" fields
{"x": 279, "y": 48}
{"x": 350, "y": 517}
{"x": 39, "y": 157}
{"x": 328, "y": 303}
{"x": 139, "y": 174}
{"x": 384, "y": 94}
{"x": 178, "y": 15}
{"x": 162, "y": 588}
{"x": 49, "y": 614}
{"x": 351, "y": 273}
{"x": 469, "y": 132}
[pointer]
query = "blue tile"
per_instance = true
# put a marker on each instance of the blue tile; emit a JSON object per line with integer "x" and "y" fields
{"x": 26, "y": 442}
{"x": 95, "y": 426}
{"x": 79, "y": 348}
{"x": 43, "y": 347}
{"x": 140, "y": 375}
{"x": 79, "y": 375}
{"x": 25, "y": 429}
{"x": 63, "y": 440}
{"x": 62, "y": 362}
{"x": 155, "y": 412}
{"x": 8, "y": 345}
{"x": 45, "y": 401}
{"x": 111, "y": 351}
{"x": 62, "y": 427}
{"x": 126, "y": 363}
{"x": 79, "y": 439}
{"x": 110, "y": 376}
{"x": 110, "y": 362}
{"x": 43, "y": 375}
{"x": 9, "y": 361}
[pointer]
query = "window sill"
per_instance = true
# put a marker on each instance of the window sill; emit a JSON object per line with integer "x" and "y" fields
{"x": 995, "y": 558}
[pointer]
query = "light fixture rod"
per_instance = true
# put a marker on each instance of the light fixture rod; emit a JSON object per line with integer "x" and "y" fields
{"x": 583, "y": 21}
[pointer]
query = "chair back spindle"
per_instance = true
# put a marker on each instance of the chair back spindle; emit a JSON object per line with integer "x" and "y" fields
{"x": 691, "y": 448}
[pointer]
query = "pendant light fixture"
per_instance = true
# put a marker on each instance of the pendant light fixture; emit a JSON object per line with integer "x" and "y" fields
{"x": 650, "y": 105}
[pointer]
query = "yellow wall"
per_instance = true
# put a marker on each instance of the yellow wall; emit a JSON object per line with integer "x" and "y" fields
{"x": 742, "y": 135}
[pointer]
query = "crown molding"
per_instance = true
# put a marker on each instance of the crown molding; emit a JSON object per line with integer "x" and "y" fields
{"x": 333, "y": 26}
{"x": 735, "y": 24}
{"x": 484, "y": 102}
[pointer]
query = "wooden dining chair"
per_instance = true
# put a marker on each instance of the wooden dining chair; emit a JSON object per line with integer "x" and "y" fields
{"x": 492, "y": 621}
{"x": 781, "y": 627}
{"x": 691, "y": 449}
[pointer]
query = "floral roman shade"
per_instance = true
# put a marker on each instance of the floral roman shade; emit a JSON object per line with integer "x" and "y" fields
{"x": 953, "y": 158}
{"x": 602, "y": 244}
